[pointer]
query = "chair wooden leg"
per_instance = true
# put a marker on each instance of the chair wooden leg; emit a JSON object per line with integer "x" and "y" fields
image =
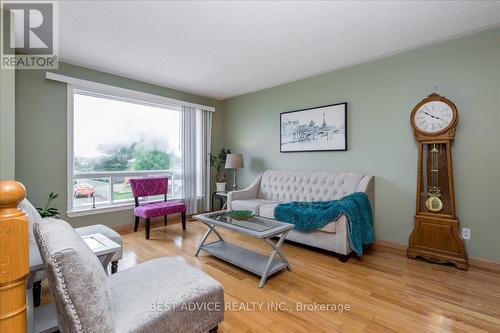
{"x": 148, "y": 226}
{"x": 114, "y": 266}
{"x": 165, "y": 220}
{"x": 214, "y": 329}
{"x": 183, "y": 219}
{"x": 37, "y": 293}
{"x": 136, "y": 225}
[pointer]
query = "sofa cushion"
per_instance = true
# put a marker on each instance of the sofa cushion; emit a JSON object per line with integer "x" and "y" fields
{"x": 166, "y": 295}
{"x": 251, "y": 204}
{"x": 267, "y": 211}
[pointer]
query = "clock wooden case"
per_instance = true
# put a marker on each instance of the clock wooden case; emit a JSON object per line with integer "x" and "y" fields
{"x": 435, "y": 234}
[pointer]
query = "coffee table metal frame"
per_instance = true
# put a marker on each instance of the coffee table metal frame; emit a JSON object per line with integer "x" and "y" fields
{"x": 259, "y": 264}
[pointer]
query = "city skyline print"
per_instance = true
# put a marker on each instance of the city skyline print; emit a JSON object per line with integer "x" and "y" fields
{"x": 322, "y": 128}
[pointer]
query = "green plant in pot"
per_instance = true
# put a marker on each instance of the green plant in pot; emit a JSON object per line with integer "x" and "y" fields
{"x": 47, "y": 210}
{"x": 218, "y": 162}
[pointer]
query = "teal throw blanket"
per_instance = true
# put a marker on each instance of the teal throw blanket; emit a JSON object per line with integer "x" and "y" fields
{"x": 308, "y": 216}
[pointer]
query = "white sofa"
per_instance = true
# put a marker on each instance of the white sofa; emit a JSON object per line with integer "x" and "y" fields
{"x": 273, "y": 187}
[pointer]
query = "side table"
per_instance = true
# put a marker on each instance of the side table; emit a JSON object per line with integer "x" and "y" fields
{"x": 223, "y": 199}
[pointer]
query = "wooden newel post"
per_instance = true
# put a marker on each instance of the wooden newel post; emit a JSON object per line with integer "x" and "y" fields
{"x": 14, "y": 258}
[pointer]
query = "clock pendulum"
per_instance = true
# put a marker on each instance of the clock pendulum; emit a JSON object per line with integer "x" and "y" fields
{"x": 434, "y": 203}
{"x": 435, "y": 235}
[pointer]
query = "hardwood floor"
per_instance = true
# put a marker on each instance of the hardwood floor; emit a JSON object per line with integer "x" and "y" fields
{"x": 386, "y": 291}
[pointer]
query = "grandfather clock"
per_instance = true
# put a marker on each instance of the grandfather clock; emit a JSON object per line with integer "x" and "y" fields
{"x": 435, "y": 234}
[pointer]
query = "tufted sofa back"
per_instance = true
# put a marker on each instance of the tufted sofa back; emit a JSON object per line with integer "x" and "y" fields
{"x": 286, "y": 186}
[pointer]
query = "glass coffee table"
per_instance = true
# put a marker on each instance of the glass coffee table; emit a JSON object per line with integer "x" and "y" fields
{"x": 251, "y": 261}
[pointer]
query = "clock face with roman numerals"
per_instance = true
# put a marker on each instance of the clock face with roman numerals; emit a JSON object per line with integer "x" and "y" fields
{"x": 433, "y": 117}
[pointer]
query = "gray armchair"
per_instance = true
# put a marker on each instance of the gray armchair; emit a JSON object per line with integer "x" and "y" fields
{"x": 179, "y": 298}
{"x": 34, "y": 216}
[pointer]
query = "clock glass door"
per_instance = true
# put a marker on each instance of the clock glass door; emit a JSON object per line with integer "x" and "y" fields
{"x": 435, "y": 194}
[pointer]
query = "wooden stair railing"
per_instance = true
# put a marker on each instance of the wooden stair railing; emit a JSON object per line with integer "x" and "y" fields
{"x": 14, "y": 258}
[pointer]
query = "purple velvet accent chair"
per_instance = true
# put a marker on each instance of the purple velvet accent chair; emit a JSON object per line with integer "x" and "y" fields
{"x": 142, "y": 187}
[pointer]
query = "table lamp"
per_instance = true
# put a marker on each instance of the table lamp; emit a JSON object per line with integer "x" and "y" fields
{"x": 234, "y": 162}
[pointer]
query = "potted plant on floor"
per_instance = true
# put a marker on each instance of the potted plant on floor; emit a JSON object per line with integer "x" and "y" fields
{"x": 47, "y": 210}
{"x": 217, "y": 162}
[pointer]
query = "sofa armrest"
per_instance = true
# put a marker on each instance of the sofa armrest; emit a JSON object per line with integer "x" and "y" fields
{"x": 367, "y": 185}
{"x": 250, "y": 192}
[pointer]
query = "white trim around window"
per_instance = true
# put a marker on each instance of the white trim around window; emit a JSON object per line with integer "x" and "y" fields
{"x": 127, "y": 94}
{"x": 109, "y": 93}
{"x": 69, "y": 150}
{"x": 91, "y": 88}
{"x": 100, "y": 210}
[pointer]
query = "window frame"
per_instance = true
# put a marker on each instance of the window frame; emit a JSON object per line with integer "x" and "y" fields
{"x": 114, "y": 93}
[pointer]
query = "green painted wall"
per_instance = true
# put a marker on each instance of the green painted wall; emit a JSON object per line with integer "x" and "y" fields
{"x": 41, "y": 133}
{"x": 7, "y": 124}
{"x": 380, "y": 96}
{"x": 7, "y": 117}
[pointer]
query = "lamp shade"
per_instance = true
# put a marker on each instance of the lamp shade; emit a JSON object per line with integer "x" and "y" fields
{"x": 234, "y": 161}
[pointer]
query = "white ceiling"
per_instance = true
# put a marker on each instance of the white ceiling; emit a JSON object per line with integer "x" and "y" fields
{"x": 226, "y": 48}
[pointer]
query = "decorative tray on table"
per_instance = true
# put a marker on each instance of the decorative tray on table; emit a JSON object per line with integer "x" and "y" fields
{"x": 241, "y": 214}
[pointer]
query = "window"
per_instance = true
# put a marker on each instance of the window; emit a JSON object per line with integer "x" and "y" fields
{"x": 115, "y": 139}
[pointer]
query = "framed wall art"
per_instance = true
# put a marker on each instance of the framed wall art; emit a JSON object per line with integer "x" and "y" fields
{"x": 321, "y": 128}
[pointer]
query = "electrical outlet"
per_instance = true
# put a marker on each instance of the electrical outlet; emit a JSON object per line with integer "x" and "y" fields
{"x": 466, "y": 233}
